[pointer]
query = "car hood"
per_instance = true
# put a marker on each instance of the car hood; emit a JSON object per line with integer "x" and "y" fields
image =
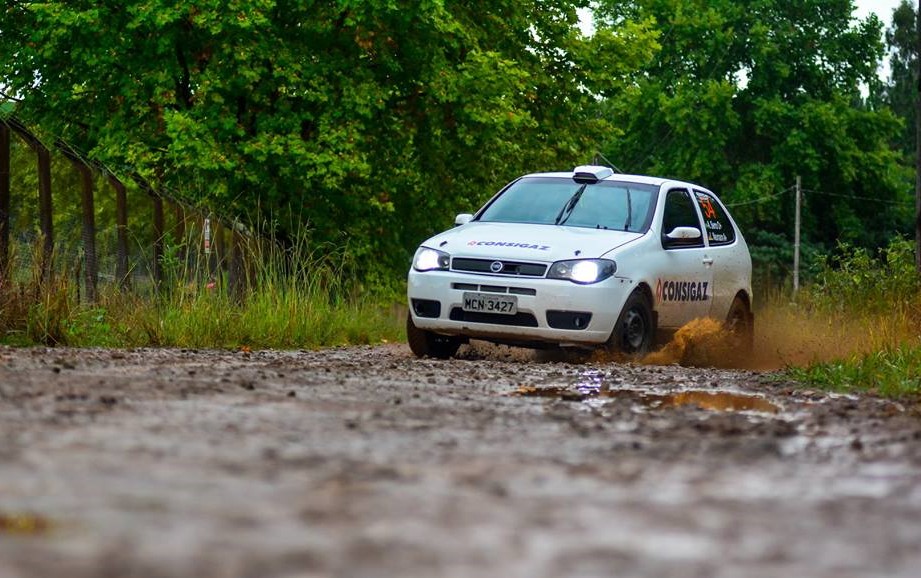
{"x": 528, "y": 242}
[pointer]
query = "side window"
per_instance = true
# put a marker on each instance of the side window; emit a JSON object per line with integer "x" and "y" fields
{"x": 679, "y": 212}
{"x": 716, "y": 224}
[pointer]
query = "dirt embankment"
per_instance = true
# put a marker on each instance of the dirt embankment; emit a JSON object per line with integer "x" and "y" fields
{"x": 366, "y": 462}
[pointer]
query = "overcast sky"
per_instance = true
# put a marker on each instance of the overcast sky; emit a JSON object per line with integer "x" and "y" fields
{"x": 883, "y": 9}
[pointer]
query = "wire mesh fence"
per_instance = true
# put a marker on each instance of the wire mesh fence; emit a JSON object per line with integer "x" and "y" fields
{"x": 61, "y": 213}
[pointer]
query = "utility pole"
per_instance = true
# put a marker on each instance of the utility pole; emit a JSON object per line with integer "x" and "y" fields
{"x": 917, "y": 71}
{"x": 799, "y": 207}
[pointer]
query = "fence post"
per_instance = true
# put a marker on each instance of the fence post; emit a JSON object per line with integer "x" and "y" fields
{"x": 158, "y": 241}
{"x": 45, "y": 207}
{"x": 796, "y": 234}
{"x": 121, "y": 233}
{"x": 5, "y": 146}
{"x": 220, "y": 250}
{"x": 182, "y": 251}
{"x": 89, "y": 232}
{"x": 236, "y": 275}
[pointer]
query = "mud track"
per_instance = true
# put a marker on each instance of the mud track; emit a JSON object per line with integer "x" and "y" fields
{"x": 365, "y": 462}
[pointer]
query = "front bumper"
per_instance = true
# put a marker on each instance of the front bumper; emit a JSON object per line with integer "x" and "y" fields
{"x": 549, "y": 310}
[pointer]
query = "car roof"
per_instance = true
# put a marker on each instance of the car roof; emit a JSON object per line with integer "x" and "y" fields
{"x": 620, "y": 177}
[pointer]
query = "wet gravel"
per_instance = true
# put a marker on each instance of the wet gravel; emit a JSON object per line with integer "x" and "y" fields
{"x": 366, "y": 462}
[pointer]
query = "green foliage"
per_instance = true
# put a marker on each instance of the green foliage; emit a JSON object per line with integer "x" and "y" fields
{"x": 300, "y": 299}
{"x": 370, "y": 123}
{"x": 746, "y": 95}
{"x": 900, "y": 93}
{"x": 879, "y": 295}
{"x": 854, "y": 280}
{"x": 891, "y": 372}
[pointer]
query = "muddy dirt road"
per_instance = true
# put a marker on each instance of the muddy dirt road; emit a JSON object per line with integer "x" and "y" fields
{"x": 365, "y": 462}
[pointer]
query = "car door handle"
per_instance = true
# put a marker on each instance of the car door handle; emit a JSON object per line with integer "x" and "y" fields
{"x": 707, "y": 261}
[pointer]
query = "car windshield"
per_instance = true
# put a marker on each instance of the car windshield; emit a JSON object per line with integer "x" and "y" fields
{"x": 612, "y": 205}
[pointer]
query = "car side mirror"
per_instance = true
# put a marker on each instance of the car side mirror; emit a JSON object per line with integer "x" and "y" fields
{"x": 684, "y": 234}
{"x": 462, "y": 219}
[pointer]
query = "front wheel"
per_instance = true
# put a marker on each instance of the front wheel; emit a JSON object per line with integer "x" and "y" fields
{"x": 634, "y": 331}
{"x": 428, "y": 344}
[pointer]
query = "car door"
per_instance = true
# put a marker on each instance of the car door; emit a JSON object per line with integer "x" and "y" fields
{"x": 683, "y": 286}
{"x": 728, "y": 259}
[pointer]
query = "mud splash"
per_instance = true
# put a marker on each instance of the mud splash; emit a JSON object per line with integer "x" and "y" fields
{"x": 722, "y": 401}
{"x": 701, "y": 343}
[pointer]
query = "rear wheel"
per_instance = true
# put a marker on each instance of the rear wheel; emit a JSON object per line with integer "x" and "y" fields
{"x": 741, "y": 324}
{"x": 634, "y": 331}
{"x": 428, "y": 344}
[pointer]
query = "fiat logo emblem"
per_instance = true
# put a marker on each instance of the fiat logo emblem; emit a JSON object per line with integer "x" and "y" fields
{"x": 495, "y": 266}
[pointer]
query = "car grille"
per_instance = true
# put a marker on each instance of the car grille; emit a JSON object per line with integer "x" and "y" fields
{"x": 494, "y": 289}
{"x": 512, "y": 268}
{"x": 519, "y": 319}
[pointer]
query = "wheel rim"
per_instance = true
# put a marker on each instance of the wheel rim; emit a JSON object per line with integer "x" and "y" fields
{"x": 738, "y": 320}
{"x": 634, "y": 330}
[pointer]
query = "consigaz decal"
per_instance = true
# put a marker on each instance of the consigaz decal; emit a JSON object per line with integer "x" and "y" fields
{"x": 507, "y": 244}
{"x": 667, "y": 291}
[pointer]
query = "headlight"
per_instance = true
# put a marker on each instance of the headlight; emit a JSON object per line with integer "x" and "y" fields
{"x": 430, "y": 260}
{"x": 582, "y": 271}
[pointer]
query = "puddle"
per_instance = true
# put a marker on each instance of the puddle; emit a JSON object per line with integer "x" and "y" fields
{"x": 24, "y": 524}
{"x": 711, "y": 400}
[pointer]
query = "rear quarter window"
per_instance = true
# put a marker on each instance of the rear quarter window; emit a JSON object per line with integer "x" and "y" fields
{"x": 717, "y": 225}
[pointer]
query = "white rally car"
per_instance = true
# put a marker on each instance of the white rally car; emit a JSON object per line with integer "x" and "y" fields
{"x": 584, "y": 259}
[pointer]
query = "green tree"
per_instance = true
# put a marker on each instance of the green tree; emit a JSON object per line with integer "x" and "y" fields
{"x": 745, "y": 95}
{"x": 368, "y": 122}
{"x": 901, "y": 91}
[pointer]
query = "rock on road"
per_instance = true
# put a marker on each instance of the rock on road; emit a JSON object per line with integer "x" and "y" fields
{"x": 366, "y": 462}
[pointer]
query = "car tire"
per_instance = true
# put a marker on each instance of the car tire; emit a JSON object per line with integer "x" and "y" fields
{"x": 740, "y": 323}
{"x": 634, "y": 332}
{"x": 428, "y": 344}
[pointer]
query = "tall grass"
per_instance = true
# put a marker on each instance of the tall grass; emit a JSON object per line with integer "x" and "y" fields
{"x": 297, "y": 297}
{"x": 857, "y": 328}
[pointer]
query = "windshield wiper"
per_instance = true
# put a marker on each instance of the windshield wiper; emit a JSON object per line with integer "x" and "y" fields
{"x": 569, "y": 206}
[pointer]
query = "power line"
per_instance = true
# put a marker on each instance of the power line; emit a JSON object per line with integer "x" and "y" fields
{"x": 760, "y": 199}
{"x": 668, "y": 138}
{"x": 860, "y": 198}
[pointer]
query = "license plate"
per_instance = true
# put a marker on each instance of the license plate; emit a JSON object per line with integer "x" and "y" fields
{"x": 486, "y": 303}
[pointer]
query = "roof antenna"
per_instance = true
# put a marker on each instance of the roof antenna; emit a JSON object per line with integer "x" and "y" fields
{"x": 605, "y": 159}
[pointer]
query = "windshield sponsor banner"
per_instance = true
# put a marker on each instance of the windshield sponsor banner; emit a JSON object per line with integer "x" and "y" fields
{"x": 668, "y": 290}
{"x": 509, "y": 244}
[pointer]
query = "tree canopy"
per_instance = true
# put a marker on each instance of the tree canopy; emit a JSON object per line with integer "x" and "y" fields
{"x": 371, "y": 123}
{"x": 745, "y": 95}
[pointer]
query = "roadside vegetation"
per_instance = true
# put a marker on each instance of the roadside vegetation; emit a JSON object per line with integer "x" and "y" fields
{"x": 857, "y": 327}
{"x": 419, "y": 111}
{"x": 297, "y": 298}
